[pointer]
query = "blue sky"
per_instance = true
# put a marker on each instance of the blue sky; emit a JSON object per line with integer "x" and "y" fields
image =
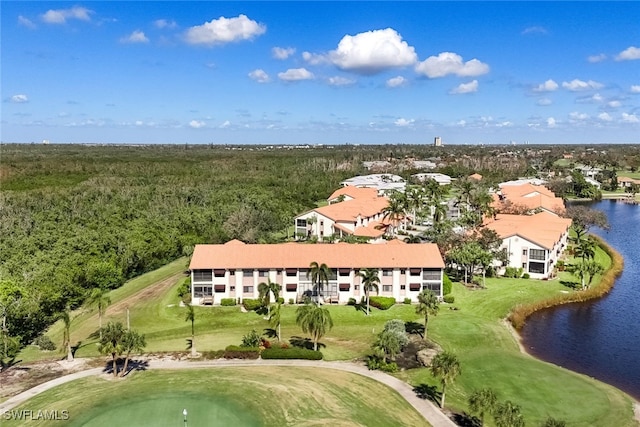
{"x": 320, "y": 72}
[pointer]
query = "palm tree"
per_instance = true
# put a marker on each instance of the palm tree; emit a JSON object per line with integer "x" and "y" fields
{"x": 319, "y": 275}
{"x": 132, "y": 342}
{"x": 482, "y": 401}
{"x": 100, "y": 299}
{"x": 65, "y": 316}
{"x": 191, "y": 317}
{"x": 508, "y": 414}
{"x": 275, "y": 318}
{"x": 111, "y": 342}
{"x": 446, "y": 367}
{"x": 414, "y": 202}
{"x": 413, "y": 238}
{"x": 394, "y": 211}
{"x": 586, "y": 248}
{"x": 370, "y": 281}
{"x": 314, "y": 320}
{"x": 593, "y": 268}
{"x": 265, "y": 290}
{"x": 428, "y": 304}
{"x": 552, "y": 422}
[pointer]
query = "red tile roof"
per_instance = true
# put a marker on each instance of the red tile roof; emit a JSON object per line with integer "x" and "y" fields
{"x": 238, "y": 255}
{"x": 355, "y": 192}
{"x": 544, "y": 228}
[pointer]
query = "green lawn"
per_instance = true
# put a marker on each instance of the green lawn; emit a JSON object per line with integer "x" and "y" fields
{"x": 489, "y": 354}
{"x": 247, "y": 396}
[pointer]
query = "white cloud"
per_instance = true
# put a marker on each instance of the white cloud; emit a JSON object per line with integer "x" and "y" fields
{"x": 450, "y": 63}
{"x": 60, "y": 16}
{"x": 282, "y": 52}
{"x": 548, "y": 86}
{"x": 314, "y": 58}
{"x": 165, "y": 24}
{"x": 578, "y": 116}
{"x": 197, "y": 124}
{"x": 535, "y": 30}
{"x": 296, "y": 74}
{"x": 19, "y": 98}
{"x": 259, "y": 75}
{"x": 340, "y": 81}
{"x": 403, "y": 122}
{"x": 629, "y": 54}
{"x": 26, "y": 22}
{"x": 225, "y": 125}
{"x": 372, "y": 52}
{"x": 544, "y": 102}
{"x": 630, "y": 118}
{"x": 614, "y": 104}
{"x": 396, "y": 81}
{"x": 551, "y": 122}
{"x": 461, "y": 123}
{"x": 597, "y": 58}
{"x": 224, "y": 30}
{"x": 578, "y": 85}
{"x": 605, "y": 117}
{"x": 634, "y": 89}
{"x": 135, "y": 37}
{"x": 470, "y": 87}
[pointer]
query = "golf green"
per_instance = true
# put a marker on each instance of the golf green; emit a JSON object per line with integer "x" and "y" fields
{"x": 166, "y": 410}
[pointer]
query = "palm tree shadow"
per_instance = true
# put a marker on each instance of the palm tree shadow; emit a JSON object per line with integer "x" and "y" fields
{"x": 361, "y": 307}
{"x": 304, "y": 343}
{"x": 414, "y": 328}
{"x": 466, "y": 420}
{"x": 570, "y": 284}
{"x": 270, "y": 333}
{"x": 428, "y": 392}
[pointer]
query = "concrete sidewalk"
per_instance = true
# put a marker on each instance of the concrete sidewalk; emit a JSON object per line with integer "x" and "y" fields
{"x": 427, "y": 409}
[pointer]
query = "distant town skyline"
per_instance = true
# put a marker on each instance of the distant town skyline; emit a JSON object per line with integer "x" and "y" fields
{"x": 320, "y": 72}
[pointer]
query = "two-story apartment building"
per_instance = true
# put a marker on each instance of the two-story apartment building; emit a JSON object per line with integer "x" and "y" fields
{"x": 235, "y": 269}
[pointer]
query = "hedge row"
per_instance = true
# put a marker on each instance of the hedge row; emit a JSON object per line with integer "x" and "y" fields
{"x": 227, "y": 302}
{"x": 251, "y": 304}
{"x": 383, "y": 303}
{"x": 290, "y": 353}
{"x": 237, "y": 352}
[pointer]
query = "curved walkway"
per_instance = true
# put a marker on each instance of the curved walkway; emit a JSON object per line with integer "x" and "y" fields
{"x": 427, "y": 409}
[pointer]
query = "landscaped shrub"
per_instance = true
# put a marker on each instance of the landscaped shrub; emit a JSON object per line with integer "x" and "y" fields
{"x": 449, "y": 299}
{"x": 184, "y": 291}
{"x": 290, "y": 353}
{"x": 280, "y": 300}
{"x": 383, "y": 303}
{"x": 251, "y": 304}
{"x": 227, "y": 302}
{"x": 291, "y": 301}
{"x": 447, "y": 285}
{"x": 513, "y": 272}
{"x": 352, "y": 301}
{"x": 390, "y": 367}
{"x": 44, "y": 343}
{"x": 237, "y": 352}
{"x": 407, "y": 301}
{"x": 526, "y": 276}
{"x": 490, "y": 272}
{"x": 210, "y": 355}
{"x": 252, "y": 339}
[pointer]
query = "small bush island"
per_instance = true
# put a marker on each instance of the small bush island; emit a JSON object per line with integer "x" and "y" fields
{"x": 44, "y": 343}
{"x": 227, "y": 302}
{"x": 382, "y": 303}
{"x": 251, "y": 304}
{"x": 237, "y": 352}
{"x": 291, "y": 353}
{"x": 407, "y": 301}
{"x": 449, "y": 299}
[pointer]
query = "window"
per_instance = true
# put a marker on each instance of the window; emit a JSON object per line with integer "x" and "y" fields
{"x": 433, "y": 287}
{"x": 524, "y": 265}
{"x": 537, "y": 254}
{"x": 202, "y": 275}
{"x": 301, "y": 223}
{"x": 524, "y": 252}
{"x": 219, "y": 288}
{"x": 344, "y": 287}
{"x": 403, "y": 287}
{"x": 356, "y": 287}
{"x": 201, "y": 291}
{"x": 386, "y": 288}
{"x": 218, "y": 272}
{"x": 232, "y": 272}
{"x": 292, "y": 287}
{"x": 536, "y": 267}
{"x": 292, "y": 272}
{"x": 247, "y": 289}
{"x": 387, "y": 272}
{"x": 431, "y": 274}
{"x": 414, "y": 287}
{"x": 415, "y": 271}
{"x": 232, "y": 288}
{"x": 344, "y": 271}
{"x": 263, "y": 273}
{"x": 247, "y": 273}
{"x": 333, "y": 274}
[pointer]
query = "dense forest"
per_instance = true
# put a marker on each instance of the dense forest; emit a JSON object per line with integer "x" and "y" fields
{"x": 75, "y": 217}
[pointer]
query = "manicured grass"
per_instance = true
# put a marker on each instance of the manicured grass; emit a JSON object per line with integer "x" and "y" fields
{"x": 247, "y": 396}
{"x": 476, "y": 333}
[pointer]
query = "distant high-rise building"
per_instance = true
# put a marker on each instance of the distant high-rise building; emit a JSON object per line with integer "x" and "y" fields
{"x": 437, "y": 142}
